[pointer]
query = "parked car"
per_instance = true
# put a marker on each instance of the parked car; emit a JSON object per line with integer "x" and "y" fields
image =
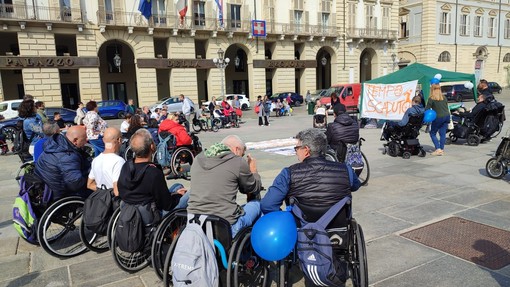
{"x": 494, "y": 87}
{"x": 68, "y": 115}
{"x": 112, "y": 109}
{"x": 317, "y": 94}
{"x": 245, "y": 103}
{"x": 349, "y": 96}
{"x": 296, "y": 98}
{"x": 172, "y": 103}
{"x": 457, "y": 92}
{"x": 9, "y": 109}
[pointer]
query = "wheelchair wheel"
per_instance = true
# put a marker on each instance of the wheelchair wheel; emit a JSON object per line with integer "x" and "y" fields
{"x": 109, "y": 231}
{"x": 331, "y": 156}
{"x": 216, "y": 123}
{"x": 406, "y": 155}
{"x": 129, "y": 154}
{"x": 364, "y": 173}
{"x": 422, "y": 153}
{"x": 495, "y": 168}
{"x": 498, "y": 131}
{"x": 167, "y": 269}
{"x": 165, "y": 235}
{"x": 197, "y": 125}
{"x": 90, "y": 151}
{"x": 248, "y": 268}
{"x": 473, "y": 140}
{"x": 25, "y": 168}
{"x": 358, "y": 264}
{"x": 182, "y": 159}
{"x": 93, "y": 241}
{"x": 58, "y": 231}
{"x": 393, "y": 149}
{"x": 130, "y": 262}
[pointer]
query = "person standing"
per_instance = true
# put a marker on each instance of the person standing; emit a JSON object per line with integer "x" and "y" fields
{"x": 262, "y": 112}
{"x": 95, "y": 127}
{"x": 41, "y": 113}
{"x": 80, "y": 114}
{"x": 188, "y": 109}
{"x": 439, "y": 104}
{"x": 308, "y": 98}
{"x": 130, "y": 107}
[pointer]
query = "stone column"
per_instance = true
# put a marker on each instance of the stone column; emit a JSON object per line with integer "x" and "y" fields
{"x": 89, "y": 78}
{"x": 146, "y": 79}
{"x": 42, "y": 83}
{"x": 183, "y": 80}
{"x": 283, "y": 79}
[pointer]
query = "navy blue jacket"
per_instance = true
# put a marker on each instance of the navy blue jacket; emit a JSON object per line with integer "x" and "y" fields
{"x": 63, "y": 167}
{"x": 413, "y": 110}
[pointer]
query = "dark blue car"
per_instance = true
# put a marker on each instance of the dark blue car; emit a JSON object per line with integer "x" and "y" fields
{"x": 112, "y": 109}
{"x": 296, "y": 99}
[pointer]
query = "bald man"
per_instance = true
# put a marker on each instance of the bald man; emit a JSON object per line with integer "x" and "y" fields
{"x": 63, "y": 165}
{"x": 106, "y": 167}
{"x": 218, "y": 175}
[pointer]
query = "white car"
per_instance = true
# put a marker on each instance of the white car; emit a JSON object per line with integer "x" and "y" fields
{"x": 243, "y": 100}
{"x": 9, "y": 109}
{"x": 172, "y": 103}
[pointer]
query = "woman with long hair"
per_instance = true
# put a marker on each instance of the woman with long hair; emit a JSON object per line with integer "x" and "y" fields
{"x": 32, "y": 125}
{"x": 135, "y": 123}
{"x": 439, "y": 104}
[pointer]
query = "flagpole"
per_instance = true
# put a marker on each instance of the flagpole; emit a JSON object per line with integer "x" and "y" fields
{"x": 256, "y": 38}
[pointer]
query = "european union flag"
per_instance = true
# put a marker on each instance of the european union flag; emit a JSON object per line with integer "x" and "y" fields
{"x": 145, "y": 8}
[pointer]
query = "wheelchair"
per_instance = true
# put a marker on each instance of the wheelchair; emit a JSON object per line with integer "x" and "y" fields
{"x": 403, "y": 141}
{"x": 181, "y": 156}
{"x": 127, "y": 261}
{"x": 497, "y": 166}
{"x": 339, "y": 155}
{"x": 479, "y": 128}
{"x": 237, "y": 261}
{"x": 347, "y": 240}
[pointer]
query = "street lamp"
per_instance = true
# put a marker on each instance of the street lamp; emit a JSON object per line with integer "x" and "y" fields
{"x": 221, "y": 63}
{"x": 116, "y": 59}
{"x": 394, "y": 61}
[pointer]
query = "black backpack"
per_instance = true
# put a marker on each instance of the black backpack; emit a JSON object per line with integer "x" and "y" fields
{"x": 129, "y": 233}
{"x": 98, "y": 209}
{"x": 21, "y": 142}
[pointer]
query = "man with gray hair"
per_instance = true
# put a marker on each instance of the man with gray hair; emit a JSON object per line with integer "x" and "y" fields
{"x": 314, "y": 180}
{"x": 141, "y": 181}
{"x": 49, "y": 129}
{"x": 218, "y": 174}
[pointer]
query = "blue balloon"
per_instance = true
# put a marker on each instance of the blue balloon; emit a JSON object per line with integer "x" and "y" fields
{"x": 430, "y": 116}
{"x": 434, "y": 81}
{"x": 274, "y": 235}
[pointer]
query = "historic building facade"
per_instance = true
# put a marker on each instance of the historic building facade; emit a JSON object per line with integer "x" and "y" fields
{"x": 65, "y": 51}
{"x": 457, "y": 35}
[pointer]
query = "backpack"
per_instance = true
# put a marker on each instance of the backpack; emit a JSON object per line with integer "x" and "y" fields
{"x": 29, "y": 206}
{"x": 194, "y": 262}
{"x": 315, "y": 250}
{"x": 490, "y": 125}
{"x": 354, "y": 158}
{"x": 163, "y": 155}
{"x": 130, "y": 231}
{"x": 98, "y": 209}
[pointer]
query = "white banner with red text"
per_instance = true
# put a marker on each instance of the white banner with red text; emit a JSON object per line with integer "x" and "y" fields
{"x": 387, "y": 101}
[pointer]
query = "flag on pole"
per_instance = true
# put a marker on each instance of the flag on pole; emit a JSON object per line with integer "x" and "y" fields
{"x": 145, "y": 8}
{"x": 220, "y": 11}
{"x": 182, "y": 8}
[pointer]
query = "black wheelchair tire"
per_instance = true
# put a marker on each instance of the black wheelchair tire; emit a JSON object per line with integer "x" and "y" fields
{"x": 366, "y": 169}
{"x": 495, "y": 168}
{"x": 89, "y": 242}
{"x": 45, "y": 223}
{"x": 157, "y": 257}
{"x": 359, "y": 265}
{"x": 176, "y": 169}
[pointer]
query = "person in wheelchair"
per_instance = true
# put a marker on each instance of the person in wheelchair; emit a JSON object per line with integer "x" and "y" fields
{"x": 480, "y": 106}
{"x": 314, "y": 180}
{"x": 415, "y": 109}
{"x": 63, "y": 165}
{"x": 218, "y": 175}
{"x": 172, "y": 125}
{"x": 106, "y": 167}
{"x": 343, "y": 130}
{"x": 320, "y": 118}
{"x": 141, "y": 182}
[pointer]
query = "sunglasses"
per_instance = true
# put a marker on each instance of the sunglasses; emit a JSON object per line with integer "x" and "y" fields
{"x": 298, "y": 147}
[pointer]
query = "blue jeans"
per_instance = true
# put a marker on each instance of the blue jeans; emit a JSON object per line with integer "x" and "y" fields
{"x": 183, "y": 202}
{"x": 441, "y": 125}
{"x": 98, "y": 145}
{"x": 251, "y": 214}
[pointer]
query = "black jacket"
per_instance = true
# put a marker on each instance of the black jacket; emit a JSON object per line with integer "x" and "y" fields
{"x": 142, "y": 183}
{"x": 474, "y": 111}
{"x": 342, "y": 130}
{"x": 305, "y": 186}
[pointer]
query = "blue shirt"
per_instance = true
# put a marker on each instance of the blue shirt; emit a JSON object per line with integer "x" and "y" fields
{"x": 413, "y": 110}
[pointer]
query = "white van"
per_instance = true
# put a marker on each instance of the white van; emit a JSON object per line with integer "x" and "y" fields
{"x": 9, "y": 109}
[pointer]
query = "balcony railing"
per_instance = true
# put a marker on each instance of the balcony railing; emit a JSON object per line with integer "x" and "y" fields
{"x": 39, "y": 13}
{"x": 210, "y": 24}
{"x": 371, "y": 33}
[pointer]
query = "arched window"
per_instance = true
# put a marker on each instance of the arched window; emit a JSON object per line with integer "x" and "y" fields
{"x": 444, "y": 57}
{"x": 506, "y": 58}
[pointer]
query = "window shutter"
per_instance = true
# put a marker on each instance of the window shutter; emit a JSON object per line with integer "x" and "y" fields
{"x": 227, "y": 14}
{"x": 245, "y": 13}
{"x": 332, "y": 21}
{"x": 307, "y": 24}
{"x": 319, "y": 19}
{"x": 210, "y": 12}
{"x": 292, "y": 23}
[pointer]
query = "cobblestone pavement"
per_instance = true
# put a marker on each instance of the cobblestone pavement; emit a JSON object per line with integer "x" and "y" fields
{"x": 401, "y": 196}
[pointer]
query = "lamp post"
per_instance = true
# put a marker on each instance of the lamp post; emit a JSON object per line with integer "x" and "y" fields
{"x": 221, "y": 63}
{"x": 117, "y": 60}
